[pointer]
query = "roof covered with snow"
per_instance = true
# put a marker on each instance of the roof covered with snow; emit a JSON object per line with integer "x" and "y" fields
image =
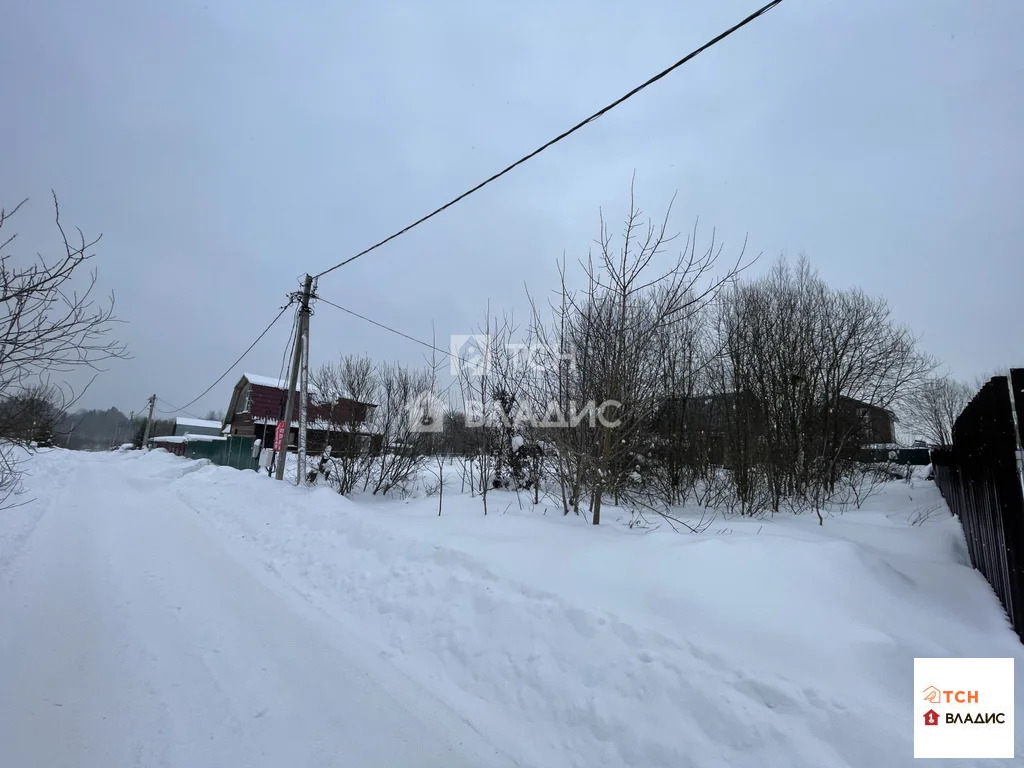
{"x": 270, "y": 381}
{"x": 197, "y": 423}
{"x": 187, "y": 438}
{"x": 265, "y": 381}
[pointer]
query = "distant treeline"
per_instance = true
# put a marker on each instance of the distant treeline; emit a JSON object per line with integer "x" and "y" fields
{"x": 97, "y": 430}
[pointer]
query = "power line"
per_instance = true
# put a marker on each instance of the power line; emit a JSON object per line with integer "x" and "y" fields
{"x": 288, "y": 346}
{"x": 392, "y": 330}
{"x": 237, "y": 361}
{"x": 445, "y": 352}
{"x": 561, "y": 136}
{"x": 176, "y": 410}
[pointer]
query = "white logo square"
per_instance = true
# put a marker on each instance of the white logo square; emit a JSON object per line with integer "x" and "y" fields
{"x": 963, "y": 708}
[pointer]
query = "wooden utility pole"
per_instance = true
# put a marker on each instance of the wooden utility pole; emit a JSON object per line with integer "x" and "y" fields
{"x": 149, "y": 421}
{"x": 307, "y": 289}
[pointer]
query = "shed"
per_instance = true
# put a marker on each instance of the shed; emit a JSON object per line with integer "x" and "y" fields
{"x": 188, "y": 426}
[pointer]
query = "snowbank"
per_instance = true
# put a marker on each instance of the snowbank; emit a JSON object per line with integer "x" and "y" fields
{"x": 757, "y": 643}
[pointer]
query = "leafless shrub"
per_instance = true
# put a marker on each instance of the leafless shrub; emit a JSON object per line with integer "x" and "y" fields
{"x": 862, "y": 481}
{"x": 923, "y": 514}
{"x": 403, "y": 452}
{"x": 381, "y": 451}
{"x": 352, "y": 453}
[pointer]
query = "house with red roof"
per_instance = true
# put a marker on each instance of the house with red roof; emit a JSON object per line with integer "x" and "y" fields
{"x": 258, "y": 404}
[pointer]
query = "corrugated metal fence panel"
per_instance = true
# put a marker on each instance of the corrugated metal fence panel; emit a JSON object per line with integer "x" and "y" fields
{"x": 206, "y": 449}
{"x": 1017, "y": 381}
{"x": 980, "y": 479}
{"x": 239, "y": 453}
{"x": 178, "y": 449}
{"x": 236, "y": 452}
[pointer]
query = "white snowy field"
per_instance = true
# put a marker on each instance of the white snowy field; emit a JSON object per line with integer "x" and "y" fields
{"x": 157, "y": 611}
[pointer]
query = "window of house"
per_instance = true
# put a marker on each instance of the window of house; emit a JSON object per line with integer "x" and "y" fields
{"x": 245, "y": 400}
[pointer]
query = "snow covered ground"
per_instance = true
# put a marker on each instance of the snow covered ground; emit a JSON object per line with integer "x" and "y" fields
{"x": 159, "y": 611}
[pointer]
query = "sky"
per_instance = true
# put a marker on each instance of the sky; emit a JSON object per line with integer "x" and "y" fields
{"x": 224, "y": 149}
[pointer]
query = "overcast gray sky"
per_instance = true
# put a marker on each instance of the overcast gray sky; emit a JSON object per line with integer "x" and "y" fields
{"x": 225, "y": 148}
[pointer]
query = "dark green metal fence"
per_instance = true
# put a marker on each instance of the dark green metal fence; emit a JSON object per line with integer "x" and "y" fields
{"x": 235, "y": 452}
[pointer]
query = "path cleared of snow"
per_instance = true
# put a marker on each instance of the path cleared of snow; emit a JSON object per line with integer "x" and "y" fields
{"x": 758, "y": 643}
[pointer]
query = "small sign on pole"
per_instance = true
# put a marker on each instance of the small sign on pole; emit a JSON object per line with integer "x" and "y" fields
{"x": 279, "y": 433}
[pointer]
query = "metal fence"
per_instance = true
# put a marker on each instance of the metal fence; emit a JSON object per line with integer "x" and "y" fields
{"x": 982, "y": 480}
{"x": 236, "y": 452}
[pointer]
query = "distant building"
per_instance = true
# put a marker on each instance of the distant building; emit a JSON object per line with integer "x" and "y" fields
{"x": 186, "y": 426}
{"x": 258, "y": 402}
{"x": 714, "y": 417}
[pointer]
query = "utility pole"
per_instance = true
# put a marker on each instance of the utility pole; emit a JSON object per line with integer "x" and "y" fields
{"x": 307, "y": 289}
{"x": 118, "y": 442}
{"x": 149, "y": 421}
{"x": 303, "y": 397}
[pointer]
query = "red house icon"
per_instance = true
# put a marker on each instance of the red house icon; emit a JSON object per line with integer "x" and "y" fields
{"x": 931, "y": 717}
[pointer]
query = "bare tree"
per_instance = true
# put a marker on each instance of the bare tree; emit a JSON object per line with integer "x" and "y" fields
{"x": 49, "y": 325}
{"x": 807, "y": 365}
{"x": 51, "y": 322}
{"x": 475, "y": 382}
{"x": 933, "y": 407}
{"x": 613, "y": 327}
{"x": 33, "y": 416}
{"x": 437, "y": 438}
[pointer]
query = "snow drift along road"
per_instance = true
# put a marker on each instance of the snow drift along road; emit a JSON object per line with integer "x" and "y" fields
{"x": 227, "y": 619}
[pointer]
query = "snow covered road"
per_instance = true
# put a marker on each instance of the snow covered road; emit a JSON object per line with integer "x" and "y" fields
{"x": 157, "y": 611}
{"x": 130, "y": 635}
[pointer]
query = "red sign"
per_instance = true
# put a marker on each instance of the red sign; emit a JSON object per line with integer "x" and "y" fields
{"x": 279, "y": 434}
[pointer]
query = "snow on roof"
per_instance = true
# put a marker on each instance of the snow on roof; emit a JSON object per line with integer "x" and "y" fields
{"x": 197, "y": 423}
{"x": 265, "y": 381}
{"x": 187, "y": 438}
{"x": 269, "y": 381}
